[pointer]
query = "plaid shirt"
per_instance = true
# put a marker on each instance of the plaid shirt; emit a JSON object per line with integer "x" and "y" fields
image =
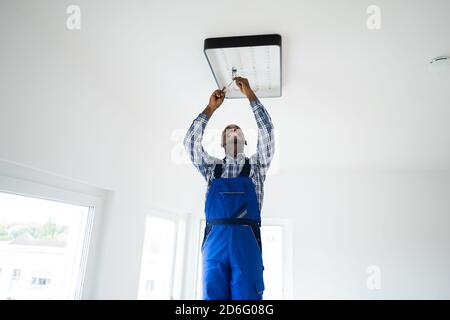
{"x": 259, "y": 162}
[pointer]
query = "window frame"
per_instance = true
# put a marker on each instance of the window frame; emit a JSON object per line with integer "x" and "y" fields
{"x": 30, "y": 182}
{"x": 180, "y": 221}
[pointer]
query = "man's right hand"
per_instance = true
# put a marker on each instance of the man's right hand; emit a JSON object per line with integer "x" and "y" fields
{"x": 216, "y": 99}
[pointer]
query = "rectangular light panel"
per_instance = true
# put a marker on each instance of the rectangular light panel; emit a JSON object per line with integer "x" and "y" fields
{"x": 257, "y": 58}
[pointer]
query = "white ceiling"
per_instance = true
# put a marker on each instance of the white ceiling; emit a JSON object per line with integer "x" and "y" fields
{"x": 352, "y": 97}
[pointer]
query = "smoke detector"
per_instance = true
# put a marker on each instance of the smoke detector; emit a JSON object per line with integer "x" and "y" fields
{"x": 440, "y": 63}
{"x": 257, "y": 58}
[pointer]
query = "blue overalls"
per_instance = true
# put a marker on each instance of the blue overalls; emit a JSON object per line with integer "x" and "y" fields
{"x": 231, "y": 248}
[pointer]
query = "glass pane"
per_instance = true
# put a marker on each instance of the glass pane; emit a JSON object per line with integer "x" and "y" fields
{"x": 41, "y": 245}
{"x": 199, "y": 287}
{"x": 272, "y": 241}
{"x": 158, "y": 257}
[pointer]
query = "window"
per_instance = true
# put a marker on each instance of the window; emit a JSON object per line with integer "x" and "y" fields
{"x": 41, "y": 244}
{"x": 272, "y": 240}
{"x": 157, "y": 259}
{"x": 15, "y": 274}
{"x": 40, "y": 281}
{"x": 52, "y": 217}
{"x": 275, "y": 238}
{"x": 41, "y": 278}
{"x": 162, "y": 256}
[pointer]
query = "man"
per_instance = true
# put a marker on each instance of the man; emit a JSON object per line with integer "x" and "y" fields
{"x": 231, "y": 248}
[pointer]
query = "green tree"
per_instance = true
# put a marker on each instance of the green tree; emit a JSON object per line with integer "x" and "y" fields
{"x": 16, "y": 230}
{"x": 4, "y": 234}
{"x": 48, "y": 231}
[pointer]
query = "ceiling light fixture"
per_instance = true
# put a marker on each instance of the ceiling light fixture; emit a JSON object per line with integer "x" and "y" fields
{"x": 257, "y": 58}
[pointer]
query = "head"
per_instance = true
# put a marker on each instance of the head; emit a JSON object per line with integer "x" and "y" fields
{"x": 233, "y": 140}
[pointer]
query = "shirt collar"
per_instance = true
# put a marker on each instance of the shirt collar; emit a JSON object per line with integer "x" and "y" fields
{"x": 239, "y": 159}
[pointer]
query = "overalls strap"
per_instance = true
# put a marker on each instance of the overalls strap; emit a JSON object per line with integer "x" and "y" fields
{"x": 218, "y": 170}
{"x": 246, "y": 169}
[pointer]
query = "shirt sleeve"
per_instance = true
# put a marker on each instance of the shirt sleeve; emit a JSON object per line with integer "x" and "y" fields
{"x": 266, "y": 144}
{"x": 193, "y": 145}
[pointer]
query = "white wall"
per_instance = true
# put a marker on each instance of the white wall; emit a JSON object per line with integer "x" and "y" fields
{"x": 364, "y": 180}
{"x": 347, "y": 221}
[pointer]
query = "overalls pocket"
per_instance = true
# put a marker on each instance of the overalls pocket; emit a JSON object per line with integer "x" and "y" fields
{"x": 232, "y": 193}
{"x": 233, "y": 203}
{"x": 259, "y": 286}
{"x": 256, "y": 232}
{"x": 206, "y": 235}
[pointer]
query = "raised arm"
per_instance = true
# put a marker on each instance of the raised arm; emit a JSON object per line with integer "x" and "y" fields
{"x": 266, "y": 143}
{"x": 194, "y": 136}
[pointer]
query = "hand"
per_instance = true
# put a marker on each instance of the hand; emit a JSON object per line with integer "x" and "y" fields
{"x": 216, "y": 99}
{"x": 244, "y": 86}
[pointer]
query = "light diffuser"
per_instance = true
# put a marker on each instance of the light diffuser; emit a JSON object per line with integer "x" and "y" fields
{"x": 257, "y": 58}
